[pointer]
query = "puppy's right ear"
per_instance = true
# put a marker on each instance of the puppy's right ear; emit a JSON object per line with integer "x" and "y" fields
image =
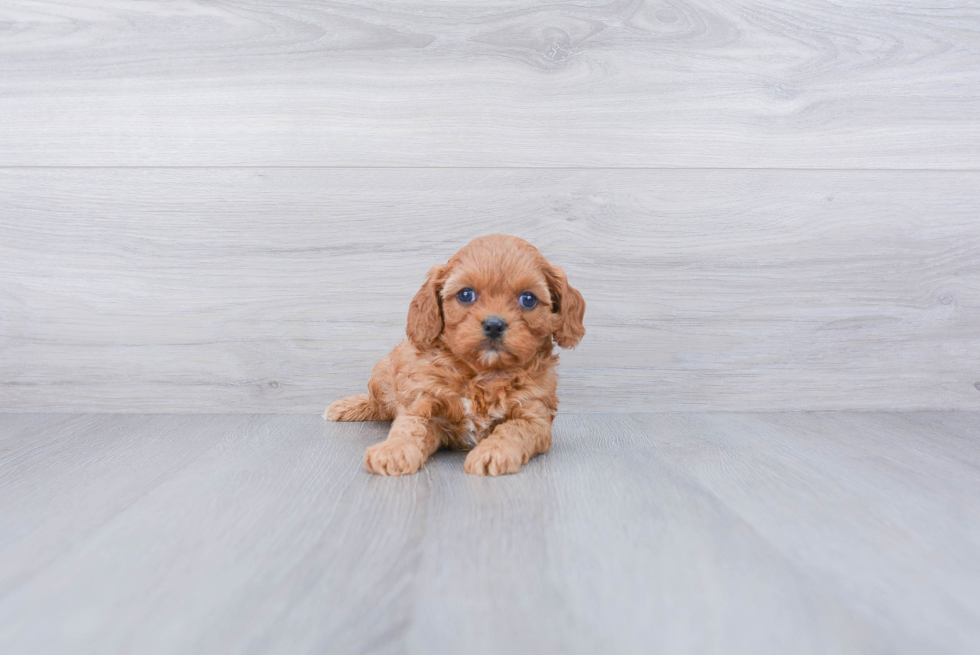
{"x": 425, "y": 312}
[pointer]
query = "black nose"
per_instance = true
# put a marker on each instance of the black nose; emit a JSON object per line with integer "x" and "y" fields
{"x": 494, "y": 326}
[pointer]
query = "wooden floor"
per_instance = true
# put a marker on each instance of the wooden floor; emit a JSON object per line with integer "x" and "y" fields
{"x": 656, "y": 533}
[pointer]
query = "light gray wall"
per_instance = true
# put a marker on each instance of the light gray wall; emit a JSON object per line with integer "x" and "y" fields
{"x": 227, "y": 207}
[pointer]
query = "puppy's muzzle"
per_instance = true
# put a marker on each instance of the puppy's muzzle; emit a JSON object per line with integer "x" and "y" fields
{"x": 494, "y": 327}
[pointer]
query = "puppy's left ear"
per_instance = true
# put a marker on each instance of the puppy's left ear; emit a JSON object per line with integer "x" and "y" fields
{"x": 425, "y": 312}
{"x": 568, "y": 306}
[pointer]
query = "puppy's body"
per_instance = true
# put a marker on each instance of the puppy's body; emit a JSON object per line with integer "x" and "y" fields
{"x": 474, "y": 374}
{"x": 465, "y": 405}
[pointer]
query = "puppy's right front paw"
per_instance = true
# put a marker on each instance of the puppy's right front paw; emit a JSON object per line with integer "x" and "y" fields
{"x": 394, "y": 458}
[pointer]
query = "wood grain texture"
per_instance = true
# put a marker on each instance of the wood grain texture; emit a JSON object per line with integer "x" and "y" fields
{"x": 861, "y": 504}
{"x": 671, "y": 533}
{"x": 70, "y": 474}
{"x": 660, "y": 83}
{"x": 276, "y": 290}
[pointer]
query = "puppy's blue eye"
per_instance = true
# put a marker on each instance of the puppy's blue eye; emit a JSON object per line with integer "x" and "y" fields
{"x": 527, "y": 300}
{"x": 466, "y": 296}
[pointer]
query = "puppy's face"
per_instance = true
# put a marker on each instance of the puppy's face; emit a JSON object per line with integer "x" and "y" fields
{"x": 496, "y": 303}
{"x": 496, "y": 308}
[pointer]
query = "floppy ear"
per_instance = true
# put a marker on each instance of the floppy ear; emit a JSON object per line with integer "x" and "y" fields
{"x": 425, "y": 312}
{"x": 569, "y": 308}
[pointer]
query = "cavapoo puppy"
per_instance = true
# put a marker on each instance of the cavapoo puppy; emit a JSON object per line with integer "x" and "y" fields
{"x": 477, "y": 371}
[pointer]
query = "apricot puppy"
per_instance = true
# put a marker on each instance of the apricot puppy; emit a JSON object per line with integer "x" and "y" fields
{"x": 477, "y": 371}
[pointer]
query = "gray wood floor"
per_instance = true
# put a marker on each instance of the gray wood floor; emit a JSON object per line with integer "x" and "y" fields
{"x": 673, "y": 533}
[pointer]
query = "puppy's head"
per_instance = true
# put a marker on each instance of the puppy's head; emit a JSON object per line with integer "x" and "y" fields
{"x": 496, "y": 303}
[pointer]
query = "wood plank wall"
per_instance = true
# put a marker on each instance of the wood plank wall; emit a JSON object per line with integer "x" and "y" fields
{"x": 227, "y": 206}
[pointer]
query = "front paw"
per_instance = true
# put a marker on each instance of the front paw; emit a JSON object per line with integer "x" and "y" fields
{"x": 394, "y": 458}
{"x": 493, "y": 457}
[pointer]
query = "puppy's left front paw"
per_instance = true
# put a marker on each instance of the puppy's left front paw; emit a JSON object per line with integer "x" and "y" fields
{"x": 493, "y": 457}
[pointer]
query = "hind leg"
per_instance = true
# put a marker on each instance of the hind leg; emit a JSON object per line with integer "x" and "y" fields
{"x": 376, "y": 405}
{"x": 355, "y": 408}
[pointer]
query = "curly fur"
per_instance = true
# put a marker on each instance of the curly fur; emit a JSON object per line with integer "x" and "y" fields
{"x": 448, "y": 385}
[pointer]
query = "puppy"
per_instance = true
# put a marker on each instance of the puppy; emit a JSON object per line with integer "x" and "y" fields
{"x": 477, "y": 371}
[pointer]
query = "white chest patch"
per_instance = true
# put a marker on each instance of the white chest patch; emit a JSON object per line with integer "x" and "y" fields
{"x": 476, "y": 426}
